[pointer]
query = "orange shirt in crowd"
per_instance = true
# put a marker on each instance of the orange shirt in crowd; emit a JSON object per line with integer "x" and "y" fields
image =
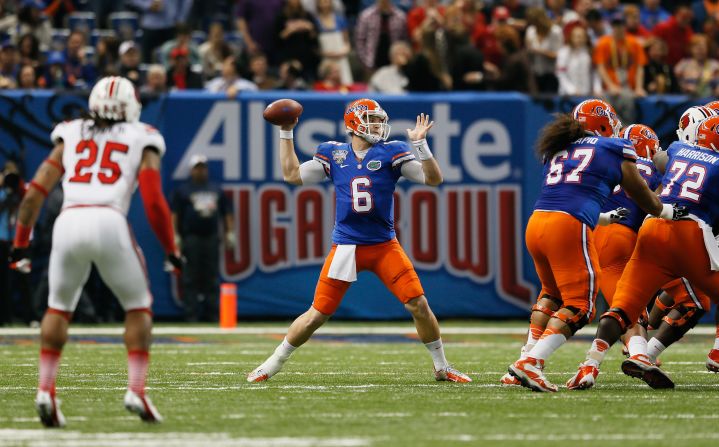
{"x": 616, "y": 55}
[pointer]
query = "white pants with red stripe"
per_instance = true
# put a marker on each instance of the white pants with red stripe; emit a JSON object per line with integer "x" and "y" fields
{"x": 102, "y": 236}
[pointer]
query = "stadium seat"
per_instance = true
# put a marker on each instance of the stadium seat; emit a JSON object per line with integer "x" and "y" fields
{"x": 59, "y": 38}
{"x": 99, "y": 34}
{"x": 199, "y": 37}
{"x": 125, "y": 24}
{"x": 82, "y": 21}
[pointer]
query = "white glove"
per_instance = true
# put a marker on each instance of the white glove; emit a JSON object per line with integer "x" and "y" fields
{"x": 613, "y": 216}
{"x": 673, "y": 211}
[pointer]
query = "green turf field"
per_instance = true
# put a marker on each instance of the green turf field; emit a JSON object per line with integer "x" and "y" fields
{"x": 350, "y": 390}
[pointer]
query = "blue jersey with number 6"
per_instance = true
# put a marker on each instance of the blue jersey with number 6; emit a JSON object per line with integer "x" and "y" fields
{"x": 692, "y": 180}
{"x": 579, "y": 179}
{"x": 364, "y": 211}
{"x": 620, "y": 198}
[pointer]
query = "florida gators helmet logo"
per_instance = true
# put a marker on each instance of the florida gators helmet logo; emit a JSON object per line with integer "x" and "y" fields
{"x": 644, "y": 139}
{"x": 597, "y": 117}
{"x": 366, "y": 119}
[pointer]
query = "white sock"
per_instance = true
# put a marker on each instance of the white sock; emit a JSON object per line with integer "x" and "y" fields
{"x": 637, "y": 345}
{"x": 654, "y": 348}
{"x": 436, "y": 350}
{"x": 596, "y": 353}
{"x": 284, "y": 350}
{"x": 547, "y": 345}
{"x": 716, "y": 343}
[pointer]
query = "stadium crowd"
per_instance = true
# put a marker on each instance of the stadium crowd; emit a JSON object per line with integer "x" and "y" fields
{"x": 570, "y": 47}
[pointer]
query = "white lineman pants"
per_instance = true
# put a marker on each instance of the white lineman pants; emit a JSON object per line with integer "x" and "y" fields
{"x": 102, "y": 236}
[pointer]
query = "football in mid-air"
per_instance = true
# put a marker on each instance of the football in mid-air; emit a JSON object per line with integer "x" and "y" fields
{"x": 282, "y": 111}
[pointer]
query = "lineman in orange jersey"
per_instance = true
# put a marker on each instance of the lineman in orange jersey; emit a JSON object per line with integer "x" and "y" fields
{"x": 583, "y": 162}
{"x": 669, "y": 250}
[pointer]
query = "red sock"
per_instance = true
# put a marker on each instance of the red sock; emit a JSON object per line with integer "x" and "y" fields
{"x": 49, "y": 364}
{"x": 137, "y": 365}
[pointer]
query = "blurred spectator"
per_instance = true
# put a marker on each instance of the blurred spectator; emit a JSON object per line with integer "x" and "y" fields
{"x": 330, "y": 79}
{"x": 704, "y": 11}
{"x": 634, "y": 25}
{"x": 609, "y": 9}
{"x": 230, "y": 81}
{"x": 620, "y": 61}
{"x": 391, "y": 78}
{"x": 543, "y": 40}
{"x": 180, "y": 76}
{"x": 597, "y": 27}
{"x": 559, "y": 13}
{"x": 205, "y": 12}
{"x": 260, "y": 72}
{"x": 27, "y": 78}
{"x": 158, "y": 21}
{"x": 107, "y": 54}
{"x": 199, "y": 209}
{"x": 55, "y": 77}
{"x": 290, "y": 76}
{"x": 11, "y": 192}
{"x": 424, "y": 15}
{"x": 297, "y": 37}
{"x": 574, "y": 65}
{"x": 652, "y": 13}
{"x": 155, "y": 81}
{"x": 426, "y": 71}
{"x": 183, "y": 39}
{"x": 677, "y": 33}
{"x": 698, "y": 75}
{"x": 8, "y": 18}
{"x": 31, "y": 20}
{"x": 130, "y": 62}
{"x": 466, "y": 63}
{"x": 312, "y": 6}
{"x": 9, "y": 65}
{"x": 517, "y": 13}
{"x": 214, "y": 51}
{"x": 515, "y": 73}
{"x": 378, "y": 27}
{"x": 256, "y": 21}
{"x": 334, "y": 38}
{"x": 80, "y": 72}
{"x": 658, "y": 75}
{"x": 486, "y": 37}
{"x": 58, "y": 10}
{"x": 29, "y": 48}
{"x": 103, "y": 9}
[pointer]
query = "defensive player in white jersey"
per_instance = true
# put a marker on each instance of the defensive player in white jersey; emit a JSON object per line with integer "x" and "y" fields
{"x": 100, "y": 160}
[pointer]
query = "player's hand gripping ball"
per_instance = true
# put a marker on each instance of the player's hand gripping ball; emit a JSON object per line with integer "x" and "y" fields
{"x": 283, "y": 112}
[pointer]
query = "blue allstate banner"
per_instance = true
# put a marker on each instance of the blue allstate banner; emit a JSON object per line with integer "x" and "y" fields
{"x": 465, "y": 238}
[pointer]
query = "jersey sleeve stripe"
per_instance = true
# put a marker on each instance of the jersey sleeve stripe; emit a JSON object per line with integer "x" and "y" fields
{"x": 630, "y": 154}
{"x": 322, "y": 157}
{"x": 324, "y": 162}
{"x": 399, "y": 161}
{"x": 402, "y": 154}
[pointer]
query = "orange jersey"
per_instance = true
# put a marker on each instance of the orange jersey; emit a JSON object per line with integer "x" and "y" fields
{"x": 564, "y": 256}
{"x": 387, "y": 260}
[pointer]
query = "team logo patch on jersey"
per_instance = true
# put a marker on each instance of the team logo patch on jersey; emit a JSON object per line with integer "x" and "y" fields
{"x": 374, "y": 165}
{"x": 339, "y": 155}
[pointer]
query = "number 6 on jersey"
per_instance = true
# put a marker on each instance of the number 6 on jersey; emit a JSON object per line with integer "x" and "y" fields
{"x": 361, "y": 197}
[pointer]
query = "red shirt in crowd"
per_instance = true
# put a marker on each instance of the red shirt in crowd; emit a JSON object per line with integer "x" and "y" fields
{"x": 676, "y": 37}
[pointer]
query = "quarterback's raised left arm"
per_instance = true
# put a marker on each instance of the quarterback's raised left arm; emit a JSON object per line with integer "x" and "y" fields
{"x": 417, "y": 136}
{"x": 47, "y": 176}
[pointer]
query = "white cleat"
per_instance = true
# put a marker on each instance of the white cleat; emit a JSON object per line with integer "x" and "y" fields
{"x": 48, "y": 408}
{"x": 509, "y": 380}
{"x": 585, "y": 377}
{"x": 269, "y": 368}
{"x": 142, "y": 406}
{"x": 529, "y": 372}
{"x": 450, "y": 374}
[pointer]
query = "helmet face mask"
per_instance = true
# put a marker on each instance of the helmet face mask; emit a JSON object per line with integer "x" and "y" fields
{"x": 644, "y": 139}
{"x": 114, "y": 98}
{"x": 366, "y": 119}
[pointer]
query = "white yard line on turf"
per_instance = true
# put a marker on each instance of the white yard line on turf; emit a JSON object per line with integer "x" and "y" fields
{"x": 328, "y": 330}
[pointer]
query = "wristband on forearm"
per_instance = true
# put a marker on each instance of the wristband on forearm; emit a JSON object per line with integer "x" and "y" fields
{"x": 286, "y": 134}
{"x": 22, "y": 236}
{"x": 422, "y": 149}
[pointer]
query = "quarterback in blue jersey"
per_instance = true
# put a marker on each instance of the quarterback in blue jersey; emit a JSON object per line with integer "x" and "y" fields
{"x": 364, "y": 173}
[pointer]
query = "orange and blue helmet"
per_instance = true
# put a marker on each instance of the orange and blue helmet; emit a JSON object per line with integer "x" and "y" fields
{"x": 644, "y": 139}
{"x": 597, "y": 117}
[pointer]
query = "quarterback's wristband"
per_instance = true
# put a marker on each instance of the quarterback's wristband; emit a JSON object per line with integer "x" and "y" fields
{"x": 22, "y": 236}
{"x": 286, "y": 134}
{"x": 422, "y": 149}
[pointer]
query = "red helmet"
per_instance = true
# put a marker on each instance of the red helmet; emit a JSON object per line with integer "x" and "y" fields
{"x": 708, "y": 133}
{"x": 597, "y": 117}
{"x": 643, "y": 138}
{"x": 357, "y": 120}
{"x": 714, "y": 105}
